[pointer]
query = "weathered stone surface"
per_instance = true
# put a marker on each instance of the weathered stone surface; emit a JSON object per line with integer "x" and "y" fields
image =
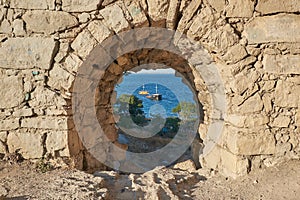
{"x": 57, "y": 143}
{"x": 233, "y": 165}
{"x": 281, "y": 121}
{"x": 42, "y": 21}
{"x": 244, "y": 81}
{"x": 27, "y": 53}
{"x": 249, "y": 121}
{"x": 32, "y": 4}
{"x": 24, "y": 112}
{"x": 79, "y": 6}
{"x": 187, "y": 165}
{"x": 235, "y": 54}
{"x": 54, "y": 123}
{"x": 114, "y": 18}
{"x": 3, "y": 136}
{"x": 218, "y": 5}
{"x": 158, "y": 9}
{"x": 287, "y": 94}
{"x": 251, "y": 144}
{"x": 188, "y": 14}
{"x": 99, "y": 31}
{"x": 9, "y": 124}
{"x": 42, "y": 97}
{"x": 251, "y": 105}
{"x": 237, "y": 8}
{"x": 5, "y": 27}
{"x": 275, "y": 6}
{"x": 277, "y": 28}
{"x": 63, "y": 51}
{"x": 11, "y": 91}
{"x": 139, "y": 18}
{"x": 18, "y": 27}
{"x": 2, "y": 150}
{"x": 202, "y": 23}
{"x": 84, "y": 17}
{"x": 29, "y": 143}
{"x": 297, "y": 118}
{"x": 282, "y": 64}
{"x": 84, "y": 44}
{"x": 60, "y": 78}
{"x": 72, "y": 63}
{"x": 107, "y": 2}
{"x": 172, "y": 15}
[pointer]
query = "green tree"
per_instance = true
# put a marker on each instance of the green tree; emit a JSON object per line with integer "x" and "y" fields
{"x": 186, "y": 110}
{"x": 130, "y": 105}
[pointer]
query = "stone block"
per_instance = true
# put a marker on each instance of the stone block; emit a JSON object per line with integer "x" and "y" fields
{"x": 72, "y": 63}
{"x": 158, "y": 9}
{"x": 202, "y": 23}
{"x": 99, "y": 31}
{"x": 29, "y": 143}
{"x": 237, "y": 8}
{"x": 248, "y": 121}
{"x": 3, "y": 136}
{"x": 84, "y": 44}
{"x": 188, "y": 14}
{"x": 18, "y": 26}
{"x": 211, "y": 159}
{"x": 187, "y": 165}
{"x": 5, "y": 27}
{"x": 240, "y": 142}
{"x": 252, "y": 105}
{"x": 60, "y": 78}
{"x": 139, "y": 18}
{"x": 2, "y": 148}
{"x": 173, "y": 12}
{"x": 276, "y": 6}
{"x": 297, "y": 118}
{"x": 42, "y": 21}
{"x": 12, "y": 94}
{"x": 80, "y": 6}
{"x": 43, "y": 97}
{"x": 235, "y": 54}
{"x": 282, "y": 64}
{"x": 233, "y": 165}
{"x": 27, "y": 53}
{"x": 218, "y": 5}
{"x": 275, "y": 28}
{"x": 53, "y": 123}
{"x": 114, "y": 18}
{"x": 57, "y": 143}
{"x": 287, "y": 94}
{"x": 32, "y": 4}
{"x": 24, "y": 112}
{"x": 281, "y": 121}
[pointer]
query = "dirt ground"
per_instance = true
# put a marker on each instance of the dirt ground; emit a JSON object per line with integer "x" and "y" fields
{"x": 26, "y": 181}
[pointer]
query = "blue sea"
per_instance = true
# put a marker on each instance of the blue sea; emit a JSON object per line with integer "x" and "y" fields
{"x": 172, "y": 89}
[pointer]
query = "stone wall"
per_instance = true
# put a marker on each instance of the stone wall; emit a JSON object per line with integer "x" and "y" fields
{"x": 255, "y": 45}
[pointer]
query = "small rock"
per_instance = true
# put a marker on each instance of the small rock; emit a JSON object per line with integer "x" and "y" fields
{"x": 188, "y": 165}
{"x": 84, "y": 17}
{"x": 3, "y": 192}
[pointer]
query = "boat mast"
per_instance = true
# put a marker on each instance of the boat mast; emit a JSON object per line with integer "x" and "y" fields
{"x": 156, "y": 89}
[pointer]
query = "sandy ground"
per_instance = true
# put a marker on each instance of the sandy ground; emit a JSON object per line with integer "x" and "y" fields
{"x": 25, "y": 181}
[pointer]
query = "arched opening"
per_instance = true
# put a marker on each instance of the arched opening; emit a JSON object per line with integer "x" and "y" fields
{"x": 117, "y": 125}
{"x": 99, "y": 74}
{"x": 149, "y": 109}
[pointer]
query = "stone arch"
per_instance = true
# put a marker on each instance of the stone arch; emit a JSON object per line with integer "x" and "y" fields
{"x": 202, "y": 65}
{"x": 257, "y": 65}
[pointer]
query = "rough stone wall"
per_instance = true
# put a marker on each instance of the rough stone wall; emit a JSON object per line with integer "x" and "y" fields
{"x": 254, "y": 43}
